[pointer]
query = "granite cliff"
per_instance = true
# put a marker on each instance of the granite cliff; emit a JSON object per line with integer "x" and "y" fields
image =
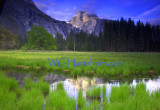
{"x": 87, "y": 22}
{"x": 19, "y": 15}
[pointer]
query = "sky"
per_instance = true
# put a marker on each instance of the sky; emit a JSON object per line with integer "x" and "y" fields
{"x": 64, "y": 10}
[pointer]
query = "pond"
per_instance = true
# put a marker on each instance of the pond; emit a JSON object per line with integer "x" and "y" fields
{"x": 73, "y": 85}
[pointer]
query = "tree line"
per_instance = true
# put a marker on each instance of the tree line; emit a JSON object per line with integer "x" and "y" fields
{"x": 119, "y": 35}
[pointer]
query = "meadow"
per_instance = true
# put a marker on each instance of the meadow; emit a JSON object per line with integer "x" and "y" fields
{"x": 134, "y": 63}
{"x": 37, "y": 96}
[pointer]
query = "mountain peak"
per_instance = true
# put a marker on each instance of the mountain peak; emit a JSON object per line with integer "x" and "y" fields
{"x": 88, "y": 22}
{"x": 85, "y": 13}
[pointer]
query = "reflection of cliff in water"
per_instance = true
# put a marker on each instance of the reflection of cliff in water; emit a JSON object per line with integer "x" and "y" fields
{"x": 72, "y": 86}
{"x": 84, "y": 82}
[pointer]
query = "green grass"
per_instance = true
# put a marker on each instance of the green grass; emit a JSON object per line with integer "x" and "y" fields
{"x": 104, "y": 93}
{"x": 31, "y": 97}
{"x": 8, "y": 84}
{"x": 30, "y": 100}
{"x": 134, "y": 63}
{"x": 81, "y": 100}
{"x": 122, "y": 98}
{"x": 94, "y": 105}
{"x": 7, "y": 99}
{"x": 59, "y": 100}
{"x": 14, "y": 97}
{"x": 41, "y": 85}
{"x": 94, "y": 93}
{"x": 119, "y": 94}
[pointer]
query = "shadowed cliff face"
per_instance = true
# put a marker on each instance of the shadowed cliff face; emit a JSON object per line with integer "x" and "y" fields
{"x": 19, "y": 15}
{"x": 87, "y": 22}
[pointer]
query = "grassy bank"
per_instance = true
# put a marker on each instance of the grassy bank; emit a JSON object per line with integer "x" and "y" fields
{"x": 134, "y": 63}
{"x": 36, "y": 96}
{"x": 29, "y": 97}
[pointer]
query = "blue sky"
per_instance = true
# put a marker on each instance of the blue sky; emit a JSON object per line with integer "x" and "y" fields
{"x": 64, "y": 10}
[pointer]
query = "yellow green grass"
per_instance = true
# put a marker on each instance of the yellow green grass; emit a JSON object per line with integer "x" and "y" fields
{"x": 134, "y": 63}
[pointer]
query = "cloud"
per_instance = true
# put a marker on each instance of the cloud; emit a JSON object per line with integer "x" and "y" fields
{"x": 63, "y": 16}
{"x": 51, "y": 4}
{"x": 151, "y": 11}
{"x": 43, "y": 7}
{"x": 53, "y": 10}
{"x": 102, "y": 16}
{"x": 155, "y": 21}
{"x": 151, "y": 16}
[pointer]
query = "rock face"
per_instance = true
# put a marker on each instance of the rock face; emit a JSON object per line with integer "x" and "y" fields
{"x": 88, "y": 22}
{"x": 19, "y": 15}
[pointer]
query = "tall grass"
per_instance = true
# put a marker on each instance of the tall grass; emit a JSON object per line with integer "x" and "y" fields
{"x": 94, "y": 105}
{"x": 94, "y": 93}
{"x": 119, "y": 93}
{"x": 104, "y": 93}
{"x": 8, "y": 84}
{"x": 59, "y": 100}
{"x": 81, "y": 101}
{"x": 41, "y": 85}
{"x": 122, "y": 99}
{"x": 30, "y": 100}
{"x": 31, "y": 97}
{"x": 8, "y": 99}
{"x": 13, "y": 97}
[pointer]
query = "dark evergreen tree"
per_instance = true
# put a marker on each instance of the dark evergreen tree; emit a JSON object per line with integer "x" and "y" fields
{"x": 123, "y": 36}
{"x": 60, "y": 42}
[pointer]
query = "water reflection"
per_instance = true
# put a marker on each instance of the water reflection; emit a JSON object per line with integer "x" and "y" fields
{"x": 72, "y": 86}
{"x": 153, "y": 85}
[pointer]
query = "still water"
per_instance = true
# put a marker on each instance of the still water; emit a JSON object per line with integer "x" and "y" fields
{"x": 72, "y": 86}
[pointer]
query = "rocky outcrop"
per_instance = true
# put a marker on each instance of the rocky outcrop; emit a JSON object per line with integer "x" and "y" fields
{"x": 87, "y": 22}
{"x": 19, "y": 15}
